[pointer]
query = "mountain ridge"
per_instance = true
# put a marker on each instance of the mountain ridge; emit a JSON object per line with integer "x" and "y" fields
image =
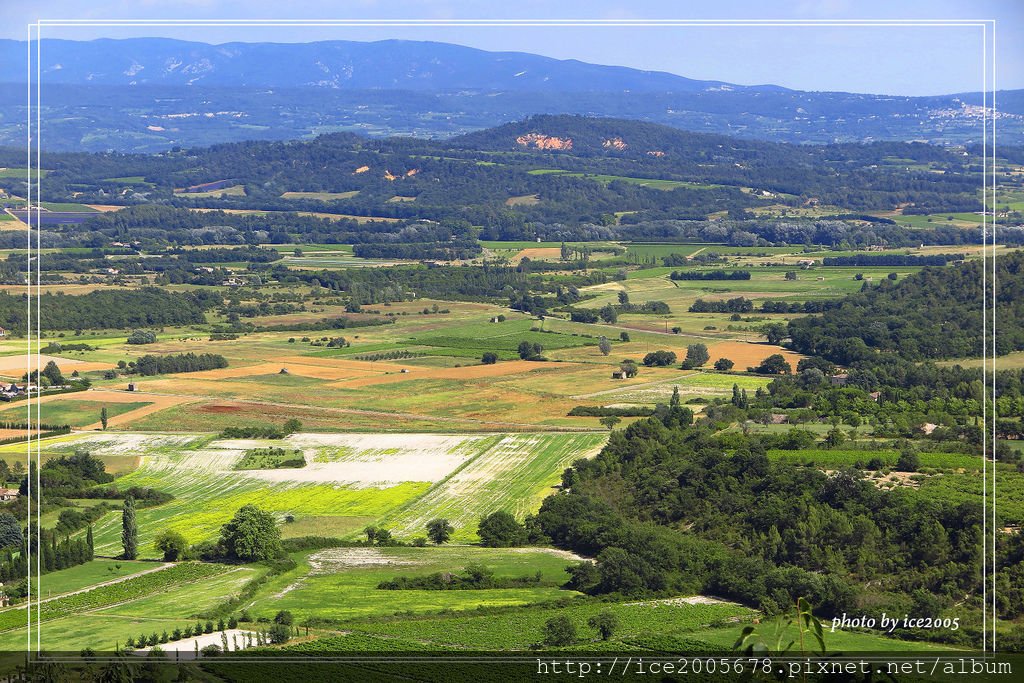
{"x": 393, "y": 64}
{"x": 153, "y": 94}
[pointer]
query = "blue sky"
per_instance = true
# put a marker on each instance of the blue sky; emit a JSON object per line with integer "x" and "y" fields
{"x": 888, "y": 60}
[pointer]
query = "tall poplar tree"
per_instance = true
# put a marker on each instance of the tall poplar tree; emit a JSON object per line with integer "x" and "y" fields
{"x": 129, "y": 530}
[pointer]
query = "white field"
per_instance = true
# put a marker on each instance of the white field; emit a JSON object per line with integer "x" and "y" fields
{"x": 238, "y": 639}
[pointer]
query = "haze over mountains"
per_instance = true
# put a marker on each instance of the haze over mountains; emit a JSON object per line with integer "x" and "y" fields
{"x": 387, "y": 64}
{"x": 147, "y": 94}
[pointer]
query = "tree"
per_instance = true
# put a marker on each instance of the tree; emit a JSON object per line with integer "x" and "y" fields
{"x": 908, "y": 461}
{"x": 489, "y": 358}
{"x": 604, "y": 345}
{"x": 893, "y": 276}
{"x": 10, "y": 530}
{"x": 604, "y": 623}
{"x": 775, "y": 364}
{"x": 559, "y": 631}
{"x": 791, "y": 275}
{"x": 142, "y": 337}
{"x": 292, "y": 425}
{"x": 528, "y": 351}
{"x": 724, "y": 364}
{"x": 836, "y": 437}
{"x": 675, "y": 401}
{"x": 775, "y": 332}
{"x": 103, "y": 417}
{"x": 623, "y": 298}
{"x": 439, "y": 531}
{"x": 251, "y": 535}
{"x": 500, "y": 530}
{"x": 610, "y": 421}
{"x": 172, "y": 544}
{"x": 609, "y": 314}
{"x": 624, "y": 336}
{"x": 284, "y": 617}
{"x": 279, "y": 633}
{"x": 660, "y": 359}
{"x": 629, "y": 368}
{"x": 696, "y": 356}
{"x": 53, "y": 373}
{"x": 129, "y": 530}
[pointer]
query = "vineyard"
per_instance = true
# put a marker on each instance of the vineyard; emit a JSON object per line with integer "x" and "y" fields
{"x": 104, "y": 596}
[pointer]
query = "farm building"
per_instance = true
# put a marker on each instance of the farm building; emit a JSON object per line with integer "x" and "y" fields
{"x": 618, "y": 374}
{"x": 8, "y": 494}
{"x": 778, "y": 419}
{"x": 132, "y": 386}
{"x": 839, "y": 380}
{"x": 3, "y": 332}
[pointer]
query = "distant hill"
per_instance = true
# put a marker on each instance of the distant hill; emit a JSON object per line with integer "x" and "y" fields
{"x": 388, "y": 64}
{"x": 152, "y": 94}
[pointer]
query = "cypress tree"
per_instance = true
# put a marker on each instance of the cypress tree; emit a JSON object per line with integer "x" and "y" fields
{"x": 88, "y": 542}
{"x": 129, "y": 531}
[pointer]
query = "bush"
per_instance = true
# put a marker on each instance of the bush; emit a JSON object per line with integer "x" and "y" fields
{"x": 142, "y": 337}
{"x": 284, "y": 617}
{"x": 279, "y": 633}
{"x": 604, "y": 623}
{"x": 559, "y": 631}
{"x": 172, "y": 544}
{"x": 724, "y": 364}
{"x": 660, "y": 359}
{"x": 500, "y": 530}
{"x": 489, "y": 358}
{"x": 908, "y": 461}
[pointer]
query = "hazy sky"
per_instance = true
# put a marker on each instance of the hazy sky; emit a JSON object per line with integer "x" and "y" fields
{"x": 889, "y": 60}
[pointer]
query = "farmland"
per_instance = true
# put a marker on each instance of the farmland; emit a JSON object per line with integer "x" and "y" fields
{"x": 401, "y": 480}
{"x": 455, "y": 397}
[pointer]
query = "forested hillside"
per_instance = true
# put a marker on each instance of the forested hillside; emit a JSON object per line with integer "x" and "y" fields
{"x": 934, "y": 314}
{"x": 668, "y": 508}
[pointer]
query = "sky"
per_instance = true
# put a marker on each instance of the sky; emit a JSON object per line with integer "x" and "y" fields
{"x": 893, "y": 60}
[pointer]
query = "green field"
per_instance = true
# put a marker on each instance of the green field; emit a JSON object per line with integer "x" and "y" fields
{"x": 838, "y": 458}
{"x": 512, "y": 473}
{"x": 321, "y": 196}
{"x": 341, "y": 583}
{"x": 79, "y": 413}
{"x": 88, "y": 574}
{"x": 400, "y": 480}
{"x": 113, "y": 594}
{"x": 67, "y": 206}
{"x": 20, "y": 172}
{"x": 653, "y": 183}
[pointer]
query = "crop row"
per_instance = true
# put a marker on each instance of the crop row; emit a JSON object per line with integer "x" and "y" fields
{"x": 112, "y": 594}
{"x": 522, "y": 627}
